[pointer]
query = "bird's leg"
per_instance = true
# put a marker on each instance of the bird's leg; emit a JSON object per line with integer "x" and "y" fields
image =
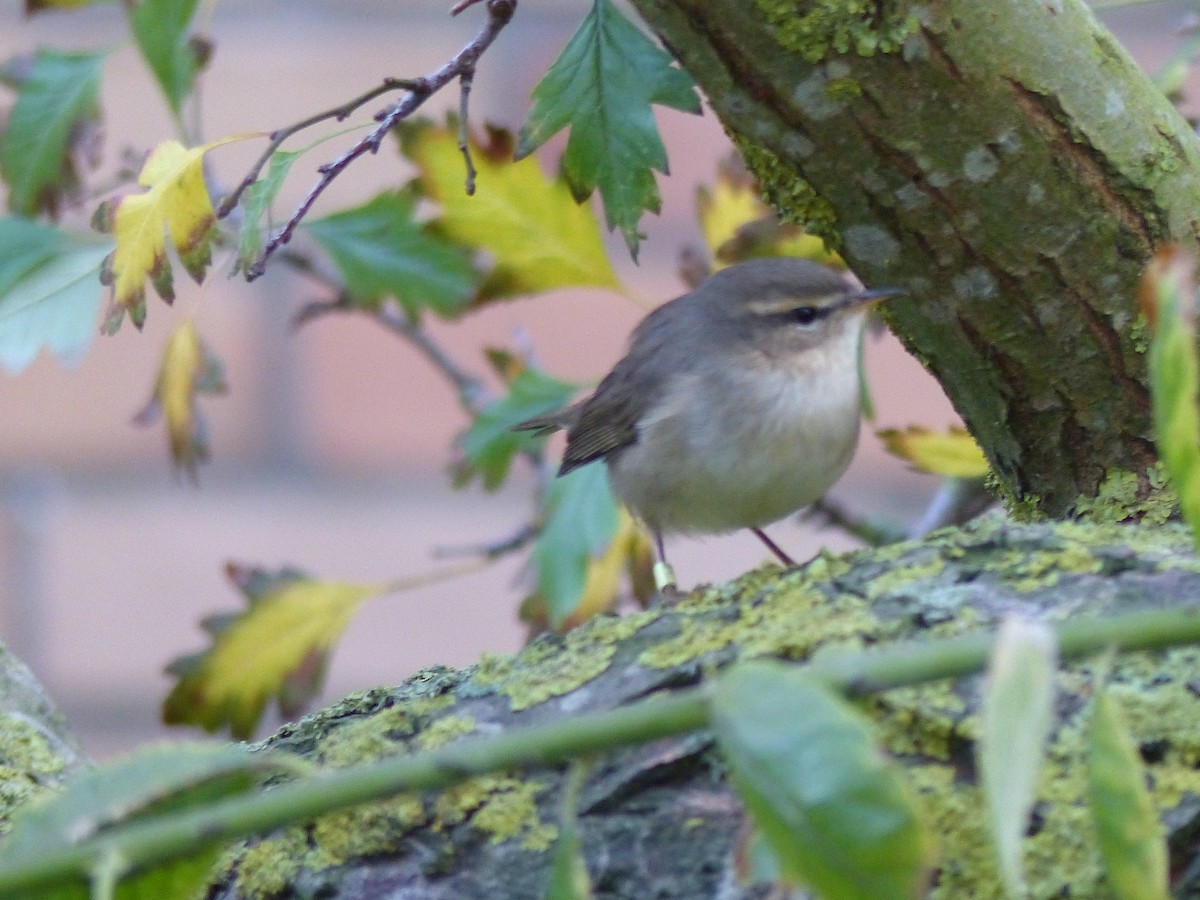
{"x": 664, "y": 575}
{"x": 773, "y": 547}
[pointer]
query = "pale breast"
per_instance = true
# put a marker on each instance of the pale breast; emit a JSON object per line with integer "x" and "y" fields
{"x": 703, "y": 466}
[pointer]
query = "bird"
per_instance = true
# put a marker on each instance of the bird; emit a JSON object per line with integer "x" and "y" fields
{"x": 735, "y": 404}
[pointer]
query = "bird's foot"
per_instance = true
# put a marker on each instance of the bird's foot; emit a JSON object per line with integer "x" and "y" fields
{"x": 664, "y": 577}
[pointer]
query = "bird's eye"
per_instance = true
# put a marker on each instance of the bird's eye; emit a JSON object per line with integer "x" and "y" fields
{"x": 804, "y": 315}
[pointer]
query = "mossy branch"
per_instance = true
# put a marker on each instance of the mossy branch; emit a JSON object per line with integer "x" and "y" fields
{"x": 155, "y": 839}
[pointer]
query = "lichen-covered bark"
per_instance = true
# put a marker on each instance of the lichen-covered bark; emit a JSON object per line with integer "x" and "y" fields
{"x": 1007, "y": 164}
{"x": 660, "y": 820}
{"x": 37, "y": 749}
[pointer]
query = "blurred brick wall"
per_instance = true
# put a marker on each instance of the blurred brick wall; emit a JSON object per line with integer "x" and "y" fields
{"x": 330, "y": 450}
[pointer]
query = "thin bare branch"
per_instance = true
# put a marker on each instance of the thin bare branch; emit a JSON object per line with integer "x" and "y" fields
{"x": 494, "y": 549}
{"x": 338, "y": 113}
{"x": 500, "y": 12}
{"x": 464, "y": 138}
{"x": 827, "y": 512}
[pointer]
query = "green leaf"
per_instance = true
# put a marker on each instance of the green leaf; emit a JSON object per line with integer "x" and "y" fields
{"x": 56, "y": 105}
{"x": 835, "y": 813}
{"x": 1018, "y": 712}
{"x": 1167, "y": 301}
{"x": 539, "y": 237}
{"x": 382, "y": 251}
{"x": 50, "y": 292}
{"x": 160, "y": 28}
{"x": 580, "y": 522}
{"x": 1132, "y": 843}
{"x": 489, "y": 445}
{"x": 26, "y": 245}
{"x": 256, "y": 201}
{"x": 98, "y": 803}
{"x": 602, "y": 86}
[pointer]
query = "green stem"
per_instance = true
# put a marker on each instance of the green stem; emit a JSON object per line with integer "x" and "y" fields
{"x": 158, "y": 838}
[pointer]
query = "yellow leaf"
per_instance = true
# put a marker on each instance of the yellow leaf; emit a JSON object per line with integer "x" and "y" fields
{"x": 188, "y": 368}
{"x": 953, "y": 453}
{"x": 33, "y": 6}
{"x": 278, "y": 648}
{"x": 177, "y": 202}
{"x": 738, "y": 225}
{"x": 539, "y": 237}
{"x": 726, "y": 207}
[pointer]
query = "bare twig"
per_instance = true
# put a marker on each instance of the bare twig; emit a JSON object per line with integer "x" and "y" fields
{"x": 464, "y": 138}
{"x": 957, "y": 500}
{"x": 827, "y": 512}
{"x": 339, "y": 113}
{"x": 494, "y": 549}
{"x": 500, "y": 12}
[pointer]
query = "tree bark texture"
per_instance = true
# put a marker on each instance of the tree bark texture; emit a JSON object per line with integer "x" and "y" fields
{"x": 660, "y": 820}
{"x": 1007, "y": 164}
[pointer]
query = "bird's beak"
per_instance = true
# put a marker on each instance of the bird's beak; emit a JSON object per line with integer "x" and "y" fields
{"x": 876, "y": 295}
{"x": 862, "y": 298}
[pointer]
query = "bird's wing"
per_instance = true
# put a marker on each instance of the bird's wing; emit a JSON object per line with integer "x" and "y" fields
{"x": 550, "y": 422}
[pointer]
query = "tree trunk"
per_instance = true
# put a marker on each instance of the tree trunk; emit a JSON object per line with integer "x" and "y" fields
{"x": 1008, "y": 165}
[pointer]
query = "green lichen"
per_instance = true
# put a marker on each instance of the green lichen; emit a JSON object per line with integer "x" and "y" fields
{"x": 772, "y": 616}
{"x": 29, "y": 765}
{"x": 501, "y": 806}
{"x": 1140, "y": 334}
{"x": 553, "y": 666}
{"x": 267, "y": 868}
{"x": 1022, "y": 507}
{"x": 816, "y": 30}
{"x": 382, "y": 734}
{"x": 794, "y": 200}
{"x": 1119, "y": 498}
{"x": 840, "y": 90}
{"x": 363, "y": 831}
{"x": 920, "y": 721}
{"x": 443, "y": 731}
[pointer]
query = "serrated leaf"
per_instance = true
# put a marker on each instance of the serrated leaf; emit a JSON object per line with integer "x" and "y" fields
{"x": 178, "y": 203}
{"x": 99, "y": 802}
{"x": 602, "y": 86}
{"x": 1167, "y": 295}
{"x": 833, "y": 810}
{"x": 738, "y": 225}
{"x": 188, "y": 368}
{"x": 1129, "y": 832}
{"x": 382, "y": 251}
{"x": 578, "y": 529}
{"x": 54, "y": 115}
{"x": 539, "y": 237}
{"x": 256, "y": 200}
{"x": 160, "y": 28}
{"x": 489, "y": 444}
{"x": 49, "y": 292}
{"x": 952, "y": 453}
{"x": 277, "y": 648}
{"x": 1017, "y": 714}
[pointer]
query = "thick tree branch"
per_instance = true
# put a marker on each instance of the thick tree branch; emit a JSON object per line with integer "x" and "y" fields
{"x": 174, "y": 834}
